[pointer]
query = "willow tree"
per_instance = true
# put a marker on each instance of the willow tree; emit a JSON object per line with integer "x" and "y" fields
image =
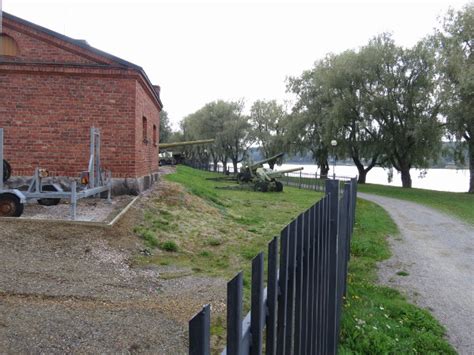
{"x": 347, "y": 79}
{"x": 224, "y": 122}
{"x": 333, "y": 104}
{"x": 269, "y": 125}
{"x": 308, "y": 124}
{"x": 405, "y": 103}
{"x": 455, "y": 46}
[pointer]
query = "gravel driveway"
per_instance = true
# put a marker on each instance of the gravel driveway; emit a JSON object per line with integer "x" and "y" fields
{"x": 437, "y": 252}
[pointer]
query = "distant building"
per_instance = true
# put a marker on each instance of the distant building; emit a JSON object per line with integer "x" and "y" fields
{"x": 54, "y": 88}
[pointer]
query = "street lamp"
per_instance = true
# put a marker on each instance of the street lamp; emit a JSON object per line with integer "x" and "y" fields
{"x": 334, "y": 144}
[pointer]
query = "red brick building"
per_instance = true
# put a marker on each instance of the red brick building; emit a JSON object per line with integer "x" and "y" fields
{"x": 54, "y": 88}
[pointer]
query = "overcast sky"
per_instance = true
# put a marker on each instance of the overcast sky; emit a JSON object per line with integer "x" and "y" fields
{"x": 201, "y": 51}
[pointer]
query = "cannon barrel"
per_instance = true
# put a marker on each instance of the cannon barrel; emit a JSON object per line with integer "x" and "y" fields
{"x": 180, "y": 144}
{"x": 261, "y": 162}
{"x": 281, "y": 172}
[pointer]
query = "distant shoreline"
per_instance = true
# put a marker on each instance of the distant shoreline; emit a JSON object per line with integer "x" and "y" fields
{"x": 450, "y": 167}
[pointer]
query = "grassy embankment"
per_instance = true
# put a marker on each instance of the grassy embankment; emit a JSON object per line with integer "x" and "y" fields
{"x": 457, "y": 204}
{"x": 218, "y": 232}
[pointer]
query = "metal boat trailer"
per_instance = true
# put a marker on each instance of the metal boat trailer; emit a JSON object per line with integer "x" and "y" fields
{"x": 94, "y": 181}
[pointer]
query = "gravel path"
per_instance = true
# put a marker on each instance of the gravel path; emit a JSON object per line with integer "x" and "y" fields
{"x": 437, "y": 251}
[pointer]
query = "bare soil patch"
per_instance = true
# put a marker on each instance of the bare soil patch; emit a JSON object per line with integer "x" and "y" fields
{"x": 88, "y": 209}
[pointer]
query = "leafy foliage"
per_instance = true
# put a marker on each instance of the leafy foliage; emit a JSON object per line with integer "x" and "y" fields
{"x": 456, "y": 67}
{"x": 165, "y": 127}
{"x": 225, "y": 122}
{"x": 381, "y": 103}
{"x": 269, "y": 123}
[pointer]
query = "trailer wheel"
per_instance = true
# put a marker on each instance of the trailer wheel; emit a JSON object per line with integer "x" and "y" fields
{"x": 10, "y": 205}
{"x": 7, "y": 170}
{"x": 49, "y": 201}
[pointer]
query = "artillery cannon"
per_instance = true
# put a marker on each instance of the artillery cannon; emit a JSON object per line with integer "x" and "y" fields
{"x": 172, "y": 158}
{"x": 248, "y": 172}
{"x": 266, "y": 179}
{"x": 180, "y": 144}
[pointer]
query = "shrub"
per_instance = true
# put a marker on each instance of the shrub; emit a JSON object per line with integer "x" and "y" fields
{"x": 169, "y": 245}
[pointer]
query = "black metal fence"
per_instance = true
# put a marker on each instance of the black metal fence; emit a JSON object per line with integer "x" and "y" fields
{"x": 299, "y": 310}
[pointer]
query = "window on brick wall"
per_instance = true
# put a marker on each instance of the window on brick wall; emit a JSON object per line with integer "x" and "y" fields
{"x": 8, "y": 45}
{"x": 145, "y": 130}
{"x": 155, "y": 141}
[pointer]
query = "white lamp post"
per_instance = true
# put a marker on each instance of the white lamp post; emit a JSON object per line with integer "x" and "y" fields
{"x": 334, "y": 144}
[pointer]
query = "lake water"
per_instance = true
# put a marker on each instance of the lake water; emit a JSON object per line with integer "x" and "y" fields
{"x": 435, "y": 179}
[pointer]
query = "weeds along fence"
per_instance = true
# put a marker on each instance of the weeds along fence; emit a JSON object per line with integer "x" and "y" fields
{"x": 299, "y": 310}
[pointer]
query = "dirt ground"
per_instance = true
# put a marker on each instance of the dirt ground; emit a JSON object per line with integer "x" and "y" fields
{"x": 88, "y": 209}
{"x": 72, "y": 289}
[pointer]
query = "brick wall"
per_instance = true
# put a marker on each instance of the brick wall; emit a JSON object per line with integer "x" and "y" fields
{"x": 33, "y": 45}
{"x": 47, "y": 117}
{"x": 53, "y": 92}
{"x": 146, "y": 152}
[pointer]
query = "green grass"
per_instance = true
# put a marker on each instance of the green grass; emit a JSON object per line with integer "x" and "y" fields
{"x": 378, "y": 319}
{"x": 457, "y": 204}
{"x": 221, "y": 231}
{"x": 169, "y": 245}
{"x": 402, "y": 273}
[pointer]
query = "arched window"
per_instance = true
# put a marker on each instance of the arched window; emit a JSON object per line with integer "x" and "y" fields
{"x": 155, "y": 138}
{"x": 8, "y": 45}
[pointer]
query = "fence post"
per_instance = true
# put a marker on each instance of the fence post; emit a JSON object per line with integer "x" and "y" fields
{"x": 199, "y": 332}
{"x": 332, "y": 188}
{"x": 272, "y": 297}
{"x": 234, "y": 315}
{"x": 290, "y": 302}
{"x": 257, "y": 319}
{"x": 299, "y": 308}
{"x": 307, "y": 309}
{"x": 283, "y": 291}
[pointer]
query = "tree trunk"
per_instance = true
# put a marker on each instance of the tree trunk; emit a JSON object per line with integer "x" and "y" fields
{"x": 471, "y": 165}
{"x": 324, "y": 167}
{"x": 271, "y": 164}
{"x": 362, "y": 176}
{"x": 234, "y": 163}
{"x": 215, "y": 162}
{"x": 224, "y": 166}
{"x": 406, "y": 178}
{"x": 360, "y": 168}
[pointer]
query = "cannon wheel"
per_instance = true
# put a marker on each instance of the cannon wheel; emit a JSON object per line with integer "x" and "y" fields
{"x": 240, "y": 178}
{"x": 49, "y": 201}
{"x": 243, "y": 177}
{"x": 279, "y": 186}
{"x": 261, "y": 186}
{"x": 7, "y": 170}
{"x": 10, "y": 205}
